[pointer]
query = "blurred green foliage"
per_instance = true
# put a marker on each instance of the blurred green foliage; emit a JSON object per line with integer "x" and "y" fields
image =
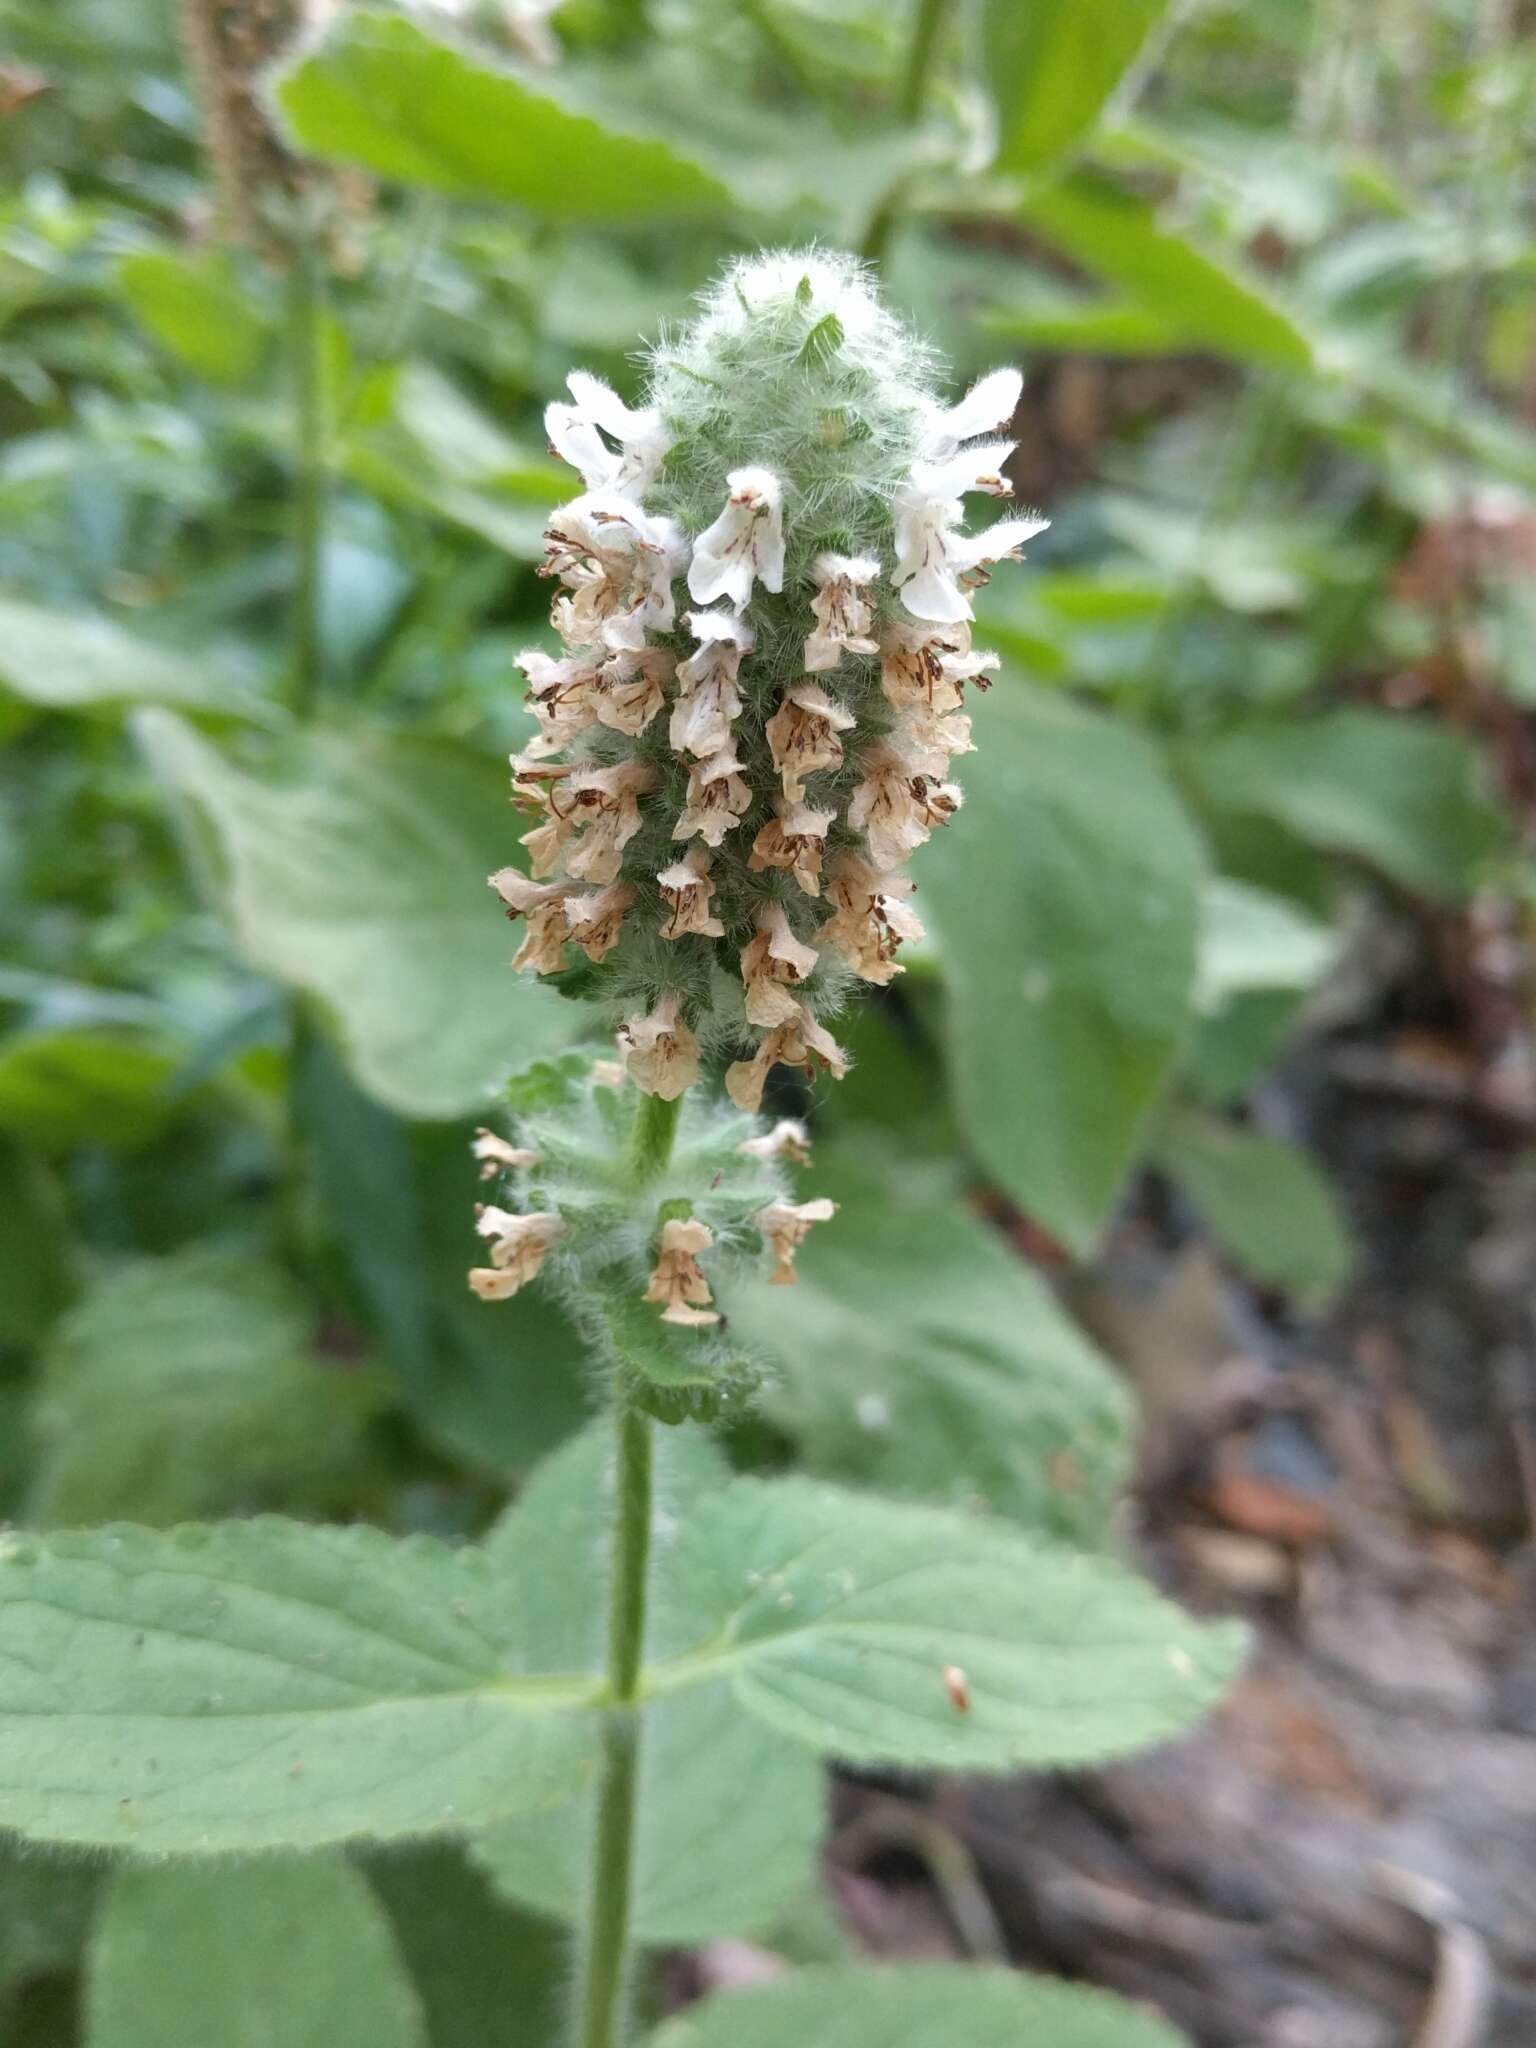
{"x": 1270, "y": 271}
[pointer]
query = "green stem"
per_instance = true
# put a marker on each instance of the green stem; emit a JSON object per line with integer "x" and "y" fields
{"x": 602, "y": 1978}
{"x": 650, "y": 1138}
{"x": 306, "y": 340}
{"x": 604, "y": 1969}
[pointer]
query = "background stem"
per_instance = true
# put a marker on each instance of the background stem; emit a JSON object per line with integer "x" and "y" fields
{"x": 914, "y": 80}
{"x": 306, "y": 335}
{"x": 306, "y": 373}
{"x": 911, "y": 97}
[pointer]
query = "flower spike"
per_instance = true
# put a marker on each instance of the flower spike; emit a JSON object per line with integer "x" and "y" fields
{"x": 763, "y": 591}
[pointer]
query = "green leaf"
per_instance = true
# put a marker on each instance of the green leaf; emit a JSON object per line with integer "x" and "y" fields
{"x": 1116, "y": 237}
{"x": 1067, "y": 909}
{"x": 1406, "y": 796}
{"x": 194, "y": 306}
{"x": 1073, "y": 324}
{"x": 1260, "y": 954}
{"x": 380, "y": 91}
{"x": 97, "y": 1087}
{"x": 262, "y": 1684}
{"x": 1052, "y": 64}
{"x": 730, "y": 1816}
{"x": 835, "y": 1617}
{"x": 186, "y": 1386}
{"x": 415, "y": 439}
{"x": 1251, "y": 939}
{"x": 77, "y": 662}
{"x": 488, "y": 1976}
{"x": 508, "y": 1380}
{"x": 36, "y": 1264}
{"x": 359, "y": 1154}
{"x": 495, "y": 1386}
{"x": 917, "y": 2005}
{"x": 1263, "y": 1201}
{"x": 358, "y": 874}
{"x": 730, "y": 1813}
{"x": 958, "y": 1378}
{"x": 46, "y": 1906}
{"x": 247, "y": 1955}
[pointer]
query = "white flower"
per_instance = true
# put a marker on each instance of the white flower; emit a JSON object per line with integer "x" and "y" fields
{"x": 972, "y": 554}
{"x": 930, "y": 740}
{"x": 687, "y": 889}
{"x": 518, "y": 1248}
{"x": 560, "y": 694}
{"x": 925, "y": 511}
{"x": 924, "y": 579}
{"x": 603, "y": 804}
{"x": 661, "y": 1055}
{"x": 800, "y": 1042}
{"x": 576, "y": 436}
{"x": 842, "y": 612}
{"x": 795, "y": 837}
{"x": 631, "y": 688}
{"x": 596, "y": 921}
{"x": 896, "y": 806}
{"x": 926, "y": 667}
{"x": 534, "y": 782}
{"x": 543, "y": 905}
{"x": 870, "y": 917}
{"x": 787, "y": 1140}
{"x": 977, "y": 468}
{"x": 546, "y": 843}
{"x": 677, "y": 1278}
{"x": 772, "y": 962}
{"x": 617, "y": 564}
{"x": 745, "y": 544}
{"x": 717, "y": 796}
{"x": 708, "y": 701}
{"x": 786, "y": 1225}
{"x": 986, "y": 408}
{"x": 931, "y": 556}
{"x": 803, "y": 735}
{"x": 497, "y": 1156}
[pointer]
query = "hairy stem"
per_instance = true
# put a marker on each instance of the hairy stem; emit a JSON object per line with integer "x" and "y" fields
{"x": 605, "y": 1958}
{"x": 602, "y": 1979}
{"x": 306, "y": 334}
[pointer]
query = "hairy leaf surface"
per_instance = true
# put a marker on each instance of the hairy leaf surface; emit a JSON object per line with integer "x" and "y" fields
{"x": 265, "y": 1684}
{"x": 245, "y": 1955}
{"x": 926, "y": 2005}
